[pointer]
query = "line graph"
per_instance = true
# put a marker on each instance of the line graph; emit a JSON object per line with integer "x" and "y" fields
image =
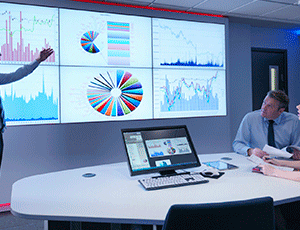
{"x": 188, "y": 44}
{"x": 183, "y": 93}
{"x": 25, "y": 31}
{"x": 196, "y": 102}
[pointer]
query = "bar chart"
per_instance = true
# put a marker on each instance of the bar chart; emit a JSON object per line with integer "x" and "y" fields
{"x": 21, "y": 29}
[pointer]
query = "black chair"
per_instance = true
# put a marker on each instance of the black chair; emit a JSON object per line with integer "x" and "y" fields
{"x": 246, "y": 214}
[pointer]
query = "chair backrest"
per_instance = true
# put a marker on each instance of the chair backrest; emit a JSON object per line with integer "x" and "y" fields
{"x": 246, "y": 214}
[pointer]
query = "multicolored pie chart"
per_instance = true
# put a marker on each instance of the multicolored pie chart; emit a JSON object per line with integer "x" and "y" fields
{"x": 88, "y": 42}
{"x": 117, "y": 95}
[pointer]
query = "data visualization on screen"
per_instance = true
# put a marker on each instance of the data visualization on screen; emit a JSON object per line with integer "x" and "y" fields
{"x": 189, "y": 70}
{"x": 32, "y": 100}
{"x": 103, "y": 39}
{"x": 187, "y": 44}
{"x": 110, "y": 66}
{"x": 25, "y": 31}
{"x": 159, "y": 149}
{"x": 105, "y": 94}
{"x": 189, "y": 93}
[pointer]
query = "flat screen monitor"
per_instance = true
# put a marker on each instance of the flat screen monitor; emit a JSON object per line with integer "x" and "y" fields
{"x": 159, "y": 149}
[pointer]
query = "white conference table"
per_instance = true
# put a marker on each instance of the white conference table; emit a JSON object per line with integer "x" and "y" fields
{"x": 113, "y": 196}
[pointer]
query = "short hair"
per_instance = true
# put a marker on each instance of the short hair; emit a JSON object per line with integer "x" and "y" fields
{"x": 280, "y": 96}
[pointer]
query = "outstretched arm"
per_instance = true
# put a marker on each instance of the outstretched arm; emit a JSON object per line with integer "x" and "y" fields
{"x": 6, "y": 78}
{"x": 44, "y": 54}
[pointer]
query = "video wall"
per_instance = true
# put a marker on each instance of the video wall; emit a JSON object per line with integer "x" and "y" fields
{"x": 110, "y": 67}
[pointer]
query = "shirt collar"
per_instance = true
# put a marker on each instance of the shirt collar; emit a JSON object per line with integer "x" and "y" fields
{"x": 277, "y": 120}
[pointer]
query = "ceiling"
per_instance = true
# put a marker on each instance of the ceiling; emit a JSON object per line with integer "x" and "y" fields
{"x": 256, "y": 12}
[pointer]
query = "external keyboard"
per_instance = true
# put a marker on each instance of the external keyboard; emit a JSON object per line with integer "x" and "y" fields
{"x": 177, "y": 180}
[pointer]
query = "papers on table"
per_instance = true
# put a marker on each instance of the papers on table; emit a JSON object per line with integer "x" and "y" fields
{"x": 274, "y": 152}
{"x": 258, "y": 161}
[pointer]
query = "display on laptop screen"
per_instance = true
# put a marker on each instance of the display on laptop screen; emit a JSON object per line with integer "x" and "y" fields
{"x": 159, "y": 149}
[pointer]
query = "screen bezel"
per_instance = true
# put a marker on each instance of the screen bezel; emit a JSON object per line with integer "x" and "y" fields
{"x": 162, "y": 170}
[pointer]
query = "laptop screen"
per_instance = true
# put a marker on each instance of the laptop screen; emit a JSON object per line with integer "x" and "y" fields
{"x": 159, "y": 149}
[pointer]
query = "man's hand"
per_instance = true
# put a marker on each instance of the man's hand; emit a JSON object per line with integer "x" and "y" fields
{"x": 44, "y": 54}
{"x": 296, "y": 154}
{"x": 257, "y": 152}
{"x": 272, "y": 160}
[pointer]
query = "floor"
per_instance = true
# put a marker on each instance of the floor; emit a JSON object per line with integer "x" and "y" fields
{"x": 10, "y": 222}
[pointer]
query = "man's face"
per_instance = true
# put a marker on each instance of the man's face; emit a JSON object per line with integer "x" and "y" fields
{"x": 270, "y": 108}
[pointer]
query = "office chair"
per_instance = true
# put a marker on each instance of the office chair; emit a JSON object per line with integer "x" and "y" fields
{"x": 246, "y": 214}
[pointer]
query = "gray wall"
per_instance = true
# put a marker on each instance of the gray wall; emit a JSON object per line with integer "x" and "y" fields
{"x": 282, "y": 39}
{"x": 31, "y": 150}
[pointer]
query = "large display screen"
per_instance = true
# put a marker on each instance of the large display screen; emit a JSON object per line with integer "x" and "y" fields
{"x": 24, "y": 32}
{"x": 102, "y": 39}
{"x": 189, "y": 69}
{"x": 110, "y": 67}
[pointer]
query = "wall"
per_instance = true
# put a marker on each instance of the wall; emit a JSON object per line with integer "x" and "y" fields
{"x": 239, "y": 77}
{"x": 31, "y": 150}
{"x": 282, "y": 39}
{"x": 243, "y": 37}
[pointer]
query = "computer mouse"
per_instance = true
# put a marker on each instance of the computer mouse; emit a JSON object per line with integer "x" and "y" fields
{"x": 210, "y": 172}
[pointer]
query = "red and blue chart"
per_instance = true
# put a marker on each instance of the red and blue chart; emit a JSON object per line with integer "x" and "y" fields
{"x": 88, "y": 40}
{"x": 25, "y": 31}
{"x": 188, "y": 93}
{"x": 115, "y": 98}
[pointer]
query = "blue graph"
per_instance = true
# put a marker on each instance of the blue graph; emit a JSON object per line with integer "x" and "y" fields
{"x": 190, "y": 44}
{"x": 39, "y": 108}
{"x": 192, "y": 63}
{"x": 189, "y": 93}
{"x": 175, "y": 100}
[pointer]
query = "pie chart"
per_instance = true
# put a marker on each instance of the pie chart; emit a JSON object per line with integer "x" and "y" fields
{"x": 116, "y": 95}
{"x": 88, "y": 42}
